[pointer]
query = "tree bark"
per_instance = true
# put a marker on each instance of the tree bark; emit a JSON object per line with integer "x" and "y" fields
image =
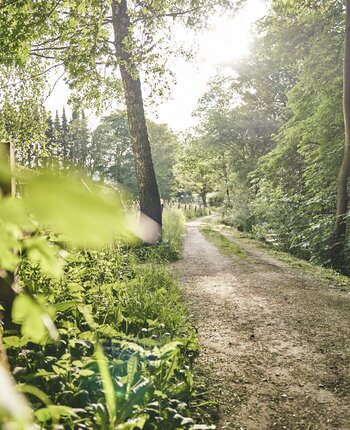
{"x": 150, "y": 204}
{"x": 342, "y": 188}
{"x": 204, "y": 198}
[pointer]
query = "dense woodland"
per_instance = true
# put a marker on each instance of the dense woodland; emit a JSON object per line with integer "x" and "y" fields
{"x": 98, "y": 336}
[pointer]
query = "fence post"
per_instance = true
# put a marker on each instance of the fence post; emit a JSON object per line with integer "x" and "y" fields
{"x": 8, "y": 281}
{"x": 7, "y": 158}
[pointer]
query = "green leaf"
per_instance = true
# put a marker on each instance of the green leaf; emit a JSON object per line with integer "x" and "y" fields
{"x": 54, "y": 413}
{"x": 137, "y": 423}
{"x": 14, "y": 341}
{"x": 86, "y": 372}
{"x": 87, "y": 215}
{"x": 107, "y": 383}
{"x": 37, "y": 325}
{"x": 132, "y": 367}
{"x": 86, "y": 311}
{"x": 45, "y": 254}
{"x": 64, "y": 306}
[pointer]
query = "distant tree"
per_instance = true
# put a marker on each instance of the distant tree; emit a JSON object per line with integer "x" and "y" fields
{"x": 64, "y": 136}
{"x": 78, "y": 140}
{"x": 194, "y": 170}
{"x": 165, "y": 146}
{"x": 110, "y": 156}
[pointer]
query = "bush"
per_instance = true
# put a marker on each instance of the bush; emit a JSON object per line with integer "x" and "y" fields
{"x": 238, "y": 214}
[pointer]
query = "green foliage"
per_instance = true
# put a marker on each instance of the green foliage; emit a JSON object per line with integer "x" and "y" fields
{"x": 192, "y": 213}
{"x": 194, "y": 170}
{"x": 296, "y": 182}
{"x": 132, "y": 308}
{"x": 111, "y": 155}
{"x": 277, "y": 125}
{"x": 169, "y": 249}
{"x": 35, "y": 318}
{"x": 80, "y": 212}
{"x": 107, "y": 345}
{"x": 165, "y": 147}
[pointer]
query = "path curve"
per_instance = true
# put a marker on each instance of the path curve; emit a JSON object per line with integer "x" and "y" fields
{"x": 276, "y": 341}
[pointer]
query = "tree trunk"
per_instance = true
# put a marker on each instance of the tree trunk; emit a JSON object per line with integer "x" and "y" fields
{"x": 226, "y": 179}
{"x": 145, "y": 175}
{"x": 204, "y": 198}
{"x": 7, "y": 279}
{"x": 342, "y": 189}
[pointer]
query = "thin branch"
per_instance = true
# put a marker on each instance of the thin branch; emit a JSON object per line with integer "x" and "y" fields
{"x": 45, "y": 42}
{"x": 34, "y": 76}
{"x": 52, "y": 48}
{"x": 45, "y": 71}
{"x": 54, "y": 8}
{"x": 48, "y": 57}
{"x": 54, "y": 85}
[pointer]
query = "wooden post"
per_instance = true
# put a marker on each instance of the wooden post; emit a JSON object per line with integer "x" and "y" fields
{"x": 8, "y": 281}
{"x": 7, "y": 158}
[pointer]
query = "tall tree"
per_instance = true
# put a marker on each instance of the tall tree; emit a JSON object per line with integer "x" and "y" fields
{"x": 343, "y": 177}
{"x": 194, "y": 170}
{"x": 146, "y": 179}
{"x": 83, "y": 28}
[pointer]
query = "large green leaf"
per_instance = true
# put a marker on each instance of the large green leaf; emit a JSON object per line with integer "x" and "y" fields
{"x": 87, "y": 215}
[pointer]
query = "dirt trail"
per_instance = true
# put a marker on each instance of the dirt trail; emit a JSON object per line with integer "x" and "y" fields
{"x": 277, "y": 341}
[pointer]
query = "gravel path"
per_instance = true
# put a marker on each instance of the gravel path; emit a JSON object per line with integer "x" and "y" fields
{"x": 277, "y": 342}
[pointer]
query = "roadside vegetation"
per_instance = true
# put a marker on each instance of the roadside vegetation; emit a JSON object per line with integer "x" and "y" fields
{"x": 124, "y": 346}
{"x": 192, "y": 213}
{"x": 227, "y": 238}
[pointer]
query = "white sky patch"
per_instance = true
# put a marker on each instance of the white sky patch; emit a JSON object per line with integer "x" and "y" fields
{"x": 226, "y": 40}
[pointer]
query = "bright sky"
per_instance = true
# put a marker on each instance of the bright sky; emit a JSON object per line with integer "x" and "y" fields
{"x": 225, "y": 41}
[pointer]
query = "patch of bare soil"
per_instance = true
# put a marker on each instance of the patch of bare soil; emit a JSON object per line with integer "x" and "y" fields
{"x": 276, "y": 341}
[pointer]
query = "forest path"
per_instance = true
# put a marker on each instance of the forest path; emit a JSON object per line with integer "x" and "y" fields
{"x": 276, "y": 341}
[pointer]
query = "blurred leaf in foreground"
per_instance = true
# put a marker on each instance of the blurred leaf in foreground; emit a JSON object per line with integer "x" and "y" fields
{"x": 36, "y": 319}
{"x": 87, "y": 215}
{"x": 14, "y": 409}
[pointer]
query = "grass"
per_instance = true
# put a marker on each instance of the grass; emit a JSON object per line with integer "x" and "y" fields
{"x": 223, "y": 242}
{"x": 199, "y": 212}
{"x": 338, "y": 280}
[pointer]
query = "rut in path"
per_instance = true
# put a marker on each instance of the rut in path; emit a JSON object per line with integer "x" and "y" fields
{"x": 276, "y": 341}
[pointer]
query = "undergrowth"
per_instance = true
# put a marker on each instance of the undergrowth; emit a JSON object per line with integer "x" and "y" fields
{"x": 124, "y": 355}
{"x": 331, "y": 275}
{"x": 192, "y": 213}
